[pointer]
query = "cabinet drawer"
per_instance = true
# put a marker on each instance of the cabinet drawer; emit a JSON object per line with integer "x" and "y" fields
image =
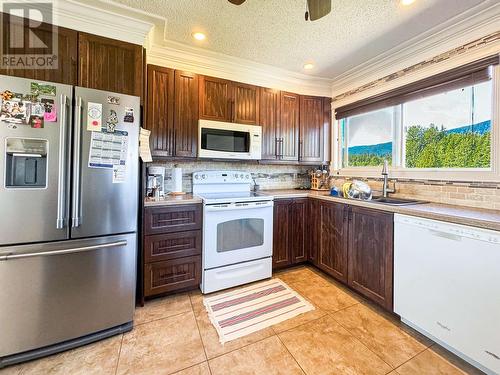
{"x": 172, "y": 275}
{"x": 169, "y": 219}
{"x": 172, "y": 245}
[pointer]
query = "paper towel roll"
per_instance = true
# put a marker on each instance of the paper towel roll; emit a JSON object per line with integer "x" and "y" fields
{"x": 176, "y": 180}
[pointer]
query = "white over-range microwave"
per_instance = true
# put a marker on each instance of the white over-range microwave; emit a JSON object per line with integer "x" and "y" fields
{"x": 226, "y": 140}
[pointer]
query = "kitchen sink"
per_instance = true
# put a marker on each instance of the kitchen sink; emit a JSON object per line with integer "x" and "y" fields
{"x": 396, "y": 201}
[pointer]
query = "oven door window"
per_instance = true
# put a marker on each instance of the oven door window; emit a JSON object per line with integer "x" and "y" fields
{"x": 225, "y": 140}
{"x": 240, "y": 234}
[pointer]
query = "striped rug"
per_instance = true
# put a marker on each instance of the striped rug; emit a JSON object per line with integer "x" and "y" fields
{"x": 242, "y": 311}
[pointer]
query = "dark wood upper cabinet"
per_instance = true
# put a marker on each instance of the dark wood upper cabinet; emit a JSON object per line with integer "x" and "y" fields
{"x": 332, "y": 257}
{"x": 109, "y": 64}
{"x": 245, "y": 106}
{"x": 224, "y": 100}
{"x": 269, "y": 118}
{"x": 289, "y": 127}
{"x": 281, "y": 233}
{"x": 371, "y": 254}
{"x": 67, "y": 50}
{"x": 298, "y": 210}
{"x": 215, "y": 99}
{"x": 311, "y": 133}
{"x": 186, "y": 114}
{"x": 160, "y": 109}
{"x": 327, "y": 128}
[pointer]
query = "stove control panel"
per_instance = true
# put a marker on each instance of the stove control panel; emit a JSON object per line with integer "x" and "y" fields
{"x": 220, "y": 177}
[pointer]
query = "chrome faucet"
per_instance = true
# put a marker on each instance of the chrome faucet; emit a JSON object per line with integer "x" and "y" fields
{"x": 385, "y": 175}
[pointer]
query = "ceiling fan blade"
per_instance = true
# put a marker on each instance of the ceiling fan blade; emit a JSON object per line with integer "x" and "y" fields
{"x": 236, "y": 2}
{"x": 318, "y": 8}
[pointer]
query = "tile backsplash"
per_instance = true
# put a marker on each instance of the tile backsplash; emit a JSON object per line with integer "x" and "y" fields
{"x": 471, "y": 194}
{"x": 276, "y": 176}
{"x": 267, "y": 176}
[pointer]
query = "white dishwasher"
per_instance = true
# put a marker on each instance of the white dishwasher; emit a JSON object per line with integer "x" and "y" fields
{"x": 447, "y": 286}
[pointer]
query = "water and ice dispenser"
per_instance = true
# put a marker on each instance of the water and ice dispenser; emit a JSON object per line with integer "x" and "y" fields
{"x": 26, "y": 163}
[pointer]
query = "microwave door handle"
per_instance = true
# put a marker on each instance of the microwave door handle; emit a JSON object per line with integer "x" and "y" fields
{"x": 61, "y": 182}
{"x": 76, "y": 164}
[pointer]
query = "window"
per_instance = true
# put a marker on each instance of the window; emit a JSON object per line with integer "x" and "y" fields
{"x": 445, "y": 127}
{"x": 369, "y": 137}
{"x": 449, "y": 130}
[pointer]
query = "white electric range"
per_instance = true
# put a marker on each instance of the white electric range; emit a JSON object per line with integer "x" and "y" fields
{"x": 237, "y": 230}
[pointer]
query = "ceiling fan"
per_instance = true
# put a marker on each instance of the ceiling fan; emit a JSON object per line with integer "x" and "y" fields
{"x": 315, "y": 9}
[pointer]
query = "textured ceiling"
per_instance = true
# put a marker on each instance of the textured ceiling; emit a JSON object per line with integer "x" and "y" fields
{"x": 274, "y": 32}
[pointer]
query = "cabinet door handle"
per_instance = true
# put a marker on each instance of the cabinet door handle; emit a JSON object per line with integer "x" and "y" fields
{"x": 281, "y": 148}
{"x": 300, "y": 150}
{"x": 276, "y": 151}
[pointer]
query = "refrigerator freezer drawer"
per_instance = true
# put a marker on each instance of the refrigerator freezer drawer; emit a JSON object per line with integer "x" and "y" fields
{"x": 64, "y": 290}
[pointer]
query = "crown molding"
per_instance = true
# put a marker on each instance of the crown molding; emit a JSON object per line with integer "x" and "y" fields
{"x": 487, "y": 46}
{"x": 103, "y": 18}
{"x": 180, "y": 56}
{"x": 473, "y": 24}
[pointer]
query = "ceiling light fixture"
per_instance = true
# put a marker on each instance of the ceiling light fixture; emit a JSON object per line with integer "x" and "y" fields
{"x": 308, "y": 66}
{"x": 407, "y": 2}
{"x": 199, "y": 36}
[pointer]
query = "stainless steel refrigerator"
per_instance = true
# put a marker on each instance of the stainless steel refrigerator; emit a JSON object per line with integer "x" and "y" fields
{"x": 68, "y": 216}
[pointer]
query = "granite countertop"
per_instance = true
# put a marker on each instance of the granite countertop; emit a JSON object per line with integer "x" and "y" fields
{"x": 476, "y": 217}
{"x": 172, "y": 200}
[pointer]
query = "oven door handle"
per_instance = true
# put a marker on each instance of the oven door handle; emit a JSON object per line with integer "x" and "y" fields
{"x": 239, "y": 206}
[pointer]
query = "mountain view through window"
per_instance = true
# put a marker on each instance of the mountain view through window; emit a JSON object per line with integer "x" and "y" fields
{"x": 447, "y": 130}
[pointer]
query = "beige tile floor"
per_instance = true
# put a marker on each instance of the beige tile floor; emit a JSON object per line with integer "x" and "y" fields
{"x": 344, "y": 335}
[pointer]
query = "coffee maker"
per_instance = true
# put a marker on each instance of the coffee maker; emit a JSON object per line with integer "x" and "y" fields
{"x": 156, "y": 180}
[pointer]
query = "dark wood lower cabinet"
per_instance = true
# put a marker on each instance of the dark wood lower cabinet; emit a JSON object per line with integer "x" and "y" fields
{"x": 168, "y": 246}
{"x": 172, "y": 275}
{"x": 289, "y": 239}
{"x": 352, "y": 244}
{"x": 332, "y": 257}
{"x": 297, "y": 219}
{"x": 313, "y": 232}
{"x": 281, "y": 230}
{"x": 370, "y": 254}
{"x": 172, "y": 248}
{"x": 175, "y": 218}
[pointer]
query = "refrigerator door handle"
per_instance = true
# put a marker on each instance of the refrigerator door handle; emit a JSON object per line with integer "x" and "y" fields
{"x": 76, "y": 219}
{"x": 61, "y": 188}
{"x": 64, "y": 251}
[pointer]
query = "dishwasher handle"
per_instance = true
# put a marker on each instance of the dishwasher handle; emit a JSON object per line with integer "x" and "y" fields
{"x": 64, "y": 251}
